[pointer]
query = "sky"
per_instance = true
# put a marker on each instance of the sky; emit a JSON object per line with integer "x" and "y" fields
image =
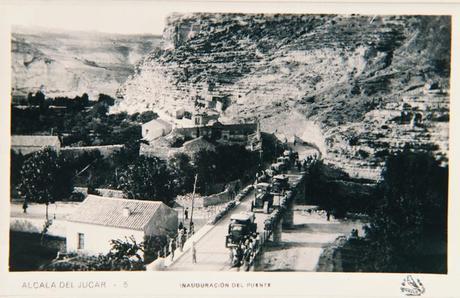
{"x": 113, "y": 18}
{"x": 147, "y": 17}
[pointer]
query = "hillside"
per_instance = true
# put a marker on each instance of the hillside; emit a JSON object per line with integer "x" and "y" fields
{"x": 72, "y": 63}
{"x": 358, "y": 87}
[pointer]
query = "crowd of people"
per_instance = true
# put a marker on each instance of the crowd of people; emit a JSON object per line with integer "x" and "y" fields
{"x": 244, "y": 253}
{"x": 179, "y": 240}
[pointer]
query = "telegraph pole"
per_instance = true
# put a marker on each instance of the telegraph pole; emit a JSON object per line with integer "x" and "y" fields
{"x": 193, "y": 200}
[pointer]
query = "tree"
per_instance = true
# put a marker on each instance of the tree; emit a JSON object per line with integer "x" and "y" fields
{"x": 17, "y": 159}
{"x": 126, "y": 249}
{"x": 234, "y": 162}
{"x": 147, "y": 116}
{"x": 43, "y": 180}
{"x": 183, "y": 172}
{"x": 205, "y": 164}
{"x": 411, "y": 216}
{"x": 106, "y": 99}
{"x": 148, "y": 178}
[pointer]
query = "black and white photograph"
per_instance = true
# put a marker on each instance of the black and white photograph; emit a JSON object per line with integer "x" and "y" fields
{"x": 238, "y": 142}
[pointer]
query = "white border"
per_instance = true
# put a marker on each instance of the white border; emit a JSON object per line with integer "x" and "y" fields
{"x": 108, "y": 14}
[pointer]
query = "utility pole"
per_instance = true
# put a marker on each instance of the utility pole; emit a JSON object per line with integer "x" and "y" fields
{"x": 193, "y": 200}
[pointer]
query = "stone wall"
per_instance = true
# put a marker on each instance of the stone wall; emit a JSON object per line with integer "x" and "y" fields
{"x": 105, "y": 151}
{"x": 205, "y": 201}
{"x": 105, "y": 192}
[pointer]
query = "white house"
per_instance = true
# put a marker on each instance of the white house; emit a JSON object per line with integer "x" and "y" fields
{"x": 28, "y": 144}
{"x": 155, "y": 128}
{"x": 98, "y": 220}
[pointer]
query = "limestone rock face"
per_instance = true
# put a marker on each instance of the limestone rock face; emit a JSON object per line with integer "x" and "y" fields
{"x": 73, "y": 63}
{"x": 358, "y": 87}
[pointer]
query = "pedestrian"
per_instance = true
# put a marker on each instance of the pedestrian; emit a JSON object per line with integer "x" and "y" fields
{"x": 181, "y": 225}
{"x": 179, "y": 240}
{"x": 232, "y": 256}
{"x": 183, "y": 239}
{"x": 24, "y": 206}
{"x": 193, "y": 252}
{"x": 328, "y": 215}
{"x": 192, "y": 228}
{"x": 164, "y": 252}
{"x": 172, "y": 248}
{"x": 247, "y": 259}
{"x": 186, "y": 213}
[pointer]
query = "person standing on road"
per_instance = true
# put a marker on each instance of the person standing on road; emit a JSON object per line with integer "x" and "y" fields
{"x": 180, "y": 238}
{"x": 172, "y": 248}
{"x": 183, "y": 239}
{"x": 193, "y": 252}
{"x": 186, "y": 213}
{"x": 192, "y": 228}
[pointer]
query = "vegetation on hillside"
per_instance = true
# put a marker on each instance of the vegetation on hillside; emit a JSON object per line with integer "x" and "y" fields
{"x": 407, "y": 230}
{"x": 78, "y": 121}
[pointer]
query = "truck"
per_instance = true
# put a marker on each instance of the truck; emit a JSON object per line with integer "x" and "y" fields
{"x": 241, "y": 225}
{"x": 263, "y": 199}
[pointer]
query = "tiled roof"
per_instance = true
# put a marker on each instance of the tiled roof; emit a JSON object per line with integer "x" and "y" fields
{"x": 198, "y": 144}
{"x": 158, "y": 122}
{"x": 109, "y": 212}
{"x": 34, "y": 141}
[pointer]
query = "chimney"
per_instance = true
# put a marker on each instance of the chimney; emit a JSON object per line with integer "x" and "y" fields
{"x": 126, "y": 212}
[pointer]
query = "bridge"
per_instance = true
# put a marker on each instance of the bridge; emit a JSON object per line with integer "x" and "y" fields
{"x": 301, "y": 237}
{"x": 212, "y": 255}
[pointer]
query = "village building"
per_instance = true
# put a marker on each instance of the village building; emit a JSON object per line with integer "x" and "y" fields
{"x": 205, "y": 118}
{"x": 26, "y": 144}
{"x": 155, "y": 128}
{"x": 98, "y": 220}
{"x": 239, "y": 133}
{"x": 196, "y": 145}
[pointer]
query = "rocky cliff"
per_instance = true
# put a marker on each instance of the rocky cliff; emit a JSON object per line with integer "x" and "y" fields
{"x": 358, "y": 87}
{"x": 72, "y": 63}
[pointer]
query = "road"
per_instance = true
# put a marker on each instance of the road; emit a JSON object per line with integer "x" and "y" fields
{"x": 301, "y": 246}
{"x": 211, "y": 253}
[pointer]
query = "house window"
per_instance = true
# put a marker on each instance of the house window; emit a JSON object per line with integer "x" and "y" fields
{"x": 81, "y": 241}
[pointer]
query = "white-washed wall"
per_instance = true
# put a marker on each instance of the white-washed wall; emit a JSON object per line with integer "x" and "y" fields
{"x": 97, "y": 238}
{"x": 164, "y": 222}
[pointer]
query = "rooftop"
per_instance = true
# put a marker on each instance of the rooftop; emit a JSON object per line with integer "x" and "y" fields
{"x": 110, "y": 212}
{"x": 158, "y": 122}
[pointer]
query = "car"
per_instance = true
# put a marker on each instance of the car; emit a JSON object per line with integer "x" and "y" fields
{"x": 241, "y": 225}
{"x": 280, "y": 183}
{"x": 263, "y": 199}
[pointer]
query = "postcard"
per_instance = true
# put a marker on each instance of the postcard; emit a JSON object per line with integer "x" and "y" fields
{"x": 229, "y": 148}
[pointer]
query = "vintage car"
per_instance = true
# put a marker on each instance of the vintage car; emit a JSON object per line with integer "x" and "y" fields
{"x": 241, "y": 224}
{"x": 263, "y": 199}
